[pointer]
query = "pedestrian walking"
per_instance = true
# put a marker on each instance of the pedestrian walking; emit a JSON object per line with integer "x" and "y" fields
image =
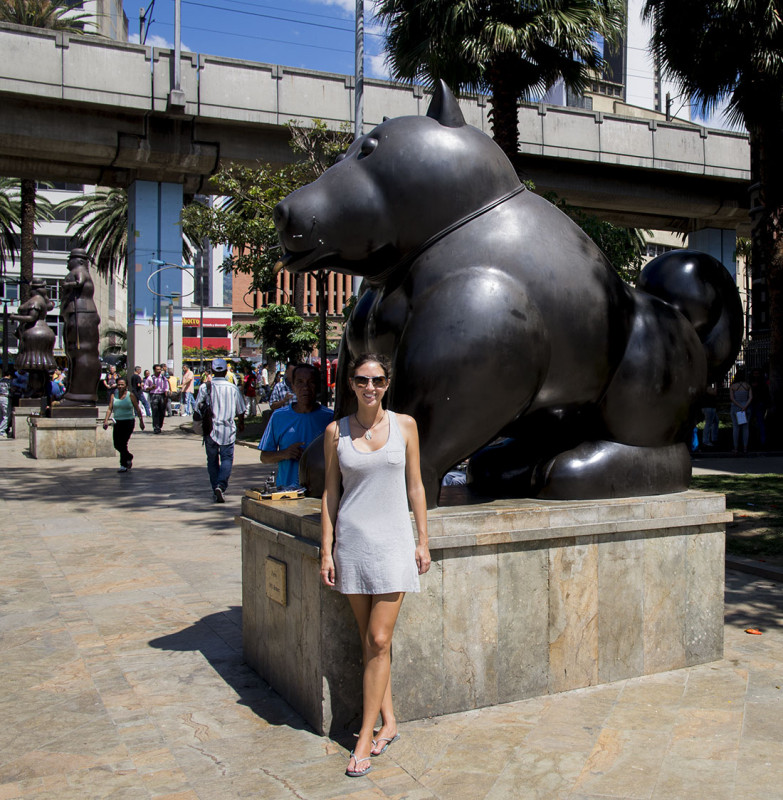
{"x": 188, "y": 398}
{"x": 5, "y": 405}
{"x": 146, "y": 387}
{"x": 124, "y": 406}
{"x": 225, "y": 403}
{"x": 249, "y": 389}
{"x": 159, "y": 394}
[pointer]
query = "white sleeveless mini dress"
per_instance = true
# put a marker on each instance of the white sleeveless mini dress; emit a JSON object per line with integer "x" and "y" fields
{"x": 374, "y": 551}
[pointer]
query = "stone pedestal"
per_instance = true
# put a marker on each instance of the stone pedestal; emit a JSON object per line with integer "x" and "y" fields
{"x": 26, "y": 407}
{"x": 69, "y": 438}
{"x": 524, "y": 598}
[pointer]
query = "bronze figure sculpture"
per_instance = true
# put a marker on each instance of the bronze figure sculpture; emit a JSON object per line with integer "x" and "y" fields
{"x": 513, "y": 340}
{"x": 36, "y": 339}
{"x": 81, "y": 321}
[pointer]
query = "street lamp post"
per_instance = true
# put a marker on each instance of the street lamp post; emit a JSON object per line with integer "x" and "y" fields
{"x": 162, "y": 266}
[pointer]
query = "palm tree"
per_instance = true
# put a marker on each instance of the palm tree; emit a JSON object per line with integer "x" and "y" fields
{"x": 9, "y": 221}
{"x": 101, "y": 222}
{"x": 510, "y": 49}
{"x": 719, "y": 49}
{"x": 56, "y": 15}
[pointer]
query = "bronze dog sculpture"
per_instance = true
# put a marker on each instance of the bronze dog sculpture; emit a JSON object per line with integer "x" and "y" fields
{"x": 507, "y": 328}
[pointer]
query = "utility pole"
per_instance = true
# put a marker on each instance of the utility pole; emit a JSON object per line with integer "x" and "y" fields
{"x": 359, "y": 69}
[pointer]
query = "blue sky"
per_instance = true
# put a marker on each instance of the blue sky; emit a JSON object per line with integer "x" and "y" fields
{"x": 314, "y": 34}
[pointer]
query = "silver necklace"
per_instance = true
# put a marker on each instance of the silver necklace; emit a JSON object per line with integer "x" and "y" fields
{"x": 368, "y": 431}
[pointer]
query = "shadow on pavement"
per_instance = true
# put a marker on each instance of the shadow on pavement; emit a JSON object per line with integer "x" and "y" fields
{"x": 753, "y": 603}
{"x": 218, "y": 637}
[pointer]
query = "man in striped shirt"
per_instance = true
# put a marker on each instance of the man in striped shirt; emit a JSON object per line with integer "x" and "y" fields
{"x": 225, "y": 402}
{"x": 159, "y": 393}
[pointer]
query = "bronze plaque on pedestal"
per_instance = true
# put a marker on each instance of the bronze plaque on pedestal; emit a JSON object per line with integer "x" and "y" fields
{"x": 275, "y": 580}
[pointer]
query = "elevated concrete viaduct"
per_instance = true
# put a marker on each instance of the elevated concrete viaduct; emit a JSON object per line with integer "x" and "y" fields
{"x": 86, "y": 109}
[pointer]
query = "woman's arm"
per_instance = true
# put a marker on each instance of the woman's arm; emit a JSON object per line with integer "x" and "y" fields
{"x": 108, "y": 412}
{"x": 416, "y": 495}
{"x": 329, "y": 502}
{"x": 136, "y": 408}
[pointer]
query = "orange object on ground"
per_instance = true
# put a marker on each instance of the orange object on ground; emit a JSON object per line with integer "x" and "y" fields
{"x": 754, "y": 631}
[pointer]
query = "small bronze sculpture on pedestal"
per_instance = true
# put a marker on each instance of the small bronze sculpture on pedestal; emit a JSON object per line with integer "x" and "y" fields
{"x": 36, "y": 339}
{"x": 81, "y": 321}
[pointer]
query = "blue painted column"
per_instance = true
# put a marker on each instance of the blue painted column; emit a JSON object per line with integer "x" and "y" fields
{"x": 154, "y": 232}
{"x": 719, "y": 243}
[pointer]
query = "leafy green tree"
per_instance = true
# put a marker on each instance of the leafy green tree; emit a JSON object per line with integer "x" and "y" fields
{"x": 243, "y": 218}
{"x": 509, "y": 49}
{"x": 286, "y": 336}
{"x": 10, "y": 221}
{"x": 733, "y": 49}
{"x": 58, "y": 15}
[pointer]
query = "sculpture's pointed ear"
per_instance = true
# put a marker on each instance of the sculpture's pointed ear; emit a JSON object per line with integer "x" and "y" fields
{"x": 444, "y": 107}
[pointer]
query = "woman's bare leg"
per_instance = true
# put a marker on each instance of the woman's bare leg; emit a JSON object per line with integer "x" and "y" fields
{"x": 376, "y": 617}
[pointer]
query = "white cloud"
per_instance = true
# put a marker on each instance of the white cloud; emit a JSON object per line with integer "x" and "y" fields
{"x": 377, "y": 67}
{"x": 345, "y": 5}
{"x": 153, "y": 40}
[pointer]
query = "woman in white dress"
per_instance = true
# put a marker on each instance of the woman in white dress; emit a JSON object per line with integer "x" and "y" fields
{"x": 369, "y": 556}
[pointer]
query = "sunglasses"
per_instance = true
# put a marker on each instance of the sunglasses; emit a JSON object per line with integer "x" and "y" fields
{"x": 381, "y": 382}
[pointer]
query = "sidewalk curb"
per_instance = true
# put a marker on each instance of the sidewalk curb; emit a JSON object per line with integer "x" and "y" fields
{"x": 749, "y": 565}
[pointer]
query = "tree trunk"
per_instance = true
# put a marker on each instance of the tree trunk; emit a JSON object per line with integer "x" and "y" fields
{"x": 299, "y": 292}
{"x": 27, "y": 237}
{"x": 504, "y": 111}
{"x": 768, "y": 241}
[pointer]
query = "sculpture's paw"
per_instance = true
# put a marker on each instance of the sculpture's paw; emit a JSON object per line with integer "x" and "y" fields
{"x": 608, "y": 469}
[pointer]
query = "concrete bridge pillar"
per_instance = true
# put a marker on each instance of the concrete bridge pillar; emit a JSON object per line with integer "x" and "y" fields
{"x": 154, "y": 234}
{"x": 719, "y": 243}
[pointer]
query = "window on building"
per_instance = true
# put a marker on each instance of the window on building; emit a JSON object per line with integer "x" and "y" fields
{"x": 62, "y": 186}
{"x": 210, "y": 331}
{"x": 10, "y": 291}
{"x": 66, "y": 214}
{"x": 654, "y": 249}
{"x": 54, "y": 244}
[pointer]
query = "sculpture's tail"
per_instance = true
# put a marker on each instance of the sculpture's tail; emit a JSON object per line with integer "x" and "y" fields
{"x": 703, "y": 290}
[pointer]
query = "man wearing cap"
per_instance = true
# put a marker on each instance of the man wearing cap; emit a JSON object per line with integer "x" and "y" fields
{"x": 225, "y": 402}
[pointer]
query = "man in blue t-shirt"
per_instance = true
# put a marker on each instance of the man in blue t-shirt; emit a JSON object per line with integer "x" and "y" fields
{"x": 293, "y": 428}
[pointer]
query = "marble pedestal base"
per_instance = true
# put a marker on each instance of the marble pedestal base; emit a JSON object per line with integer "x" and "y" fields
{"x": 69, "y": 438}
{"x": 524, "y": 598}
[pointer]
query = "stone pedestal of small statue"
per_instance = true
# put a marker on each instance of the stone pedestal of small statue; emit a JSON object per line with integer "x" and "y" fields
{"x": 81, "y": 322}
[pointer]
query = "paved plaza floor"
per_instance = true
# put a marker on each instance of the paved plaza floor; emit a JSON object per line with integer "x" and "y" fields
{"x": 121, "y": 672}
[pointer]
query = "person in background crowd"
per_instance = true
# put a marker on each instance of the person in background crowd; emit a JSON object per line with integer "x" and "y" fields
{"x": 292, "y": 428}
{"x": 110, "y": 380}
{"x": 20, "y": 383}
{"x": 249, "y": 390}
{"x": 146, "y": 386}
{"x": 709, "y": 436}
{"x": 226, "y": 403}
{"x": 741, "y": 397}
{"x": 230, "y": 377}
{"x": 5, "y": 405}
{"x": 159, "y": 393}
{"x": 173, "y": 389}
{"x": 187, "y": 398}
{"x": 124, "y": 406}
{"x": 262, "y": 383}
{"x": 283, "y": 393}
{"x": 759, "y": 404}
{"x": 137, "y": 387}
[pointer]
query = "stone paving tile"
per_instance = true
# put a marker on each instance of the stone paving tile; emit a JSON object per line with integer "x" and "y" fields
{"x": 121, "y": 672}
